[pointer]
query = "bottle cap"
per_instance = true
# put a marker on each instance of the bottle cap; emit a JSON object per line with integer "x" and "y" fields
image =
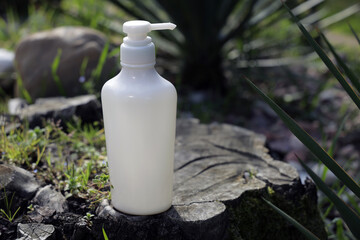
{"x": 137, "y": 49}
{"x": 137, "y": 30}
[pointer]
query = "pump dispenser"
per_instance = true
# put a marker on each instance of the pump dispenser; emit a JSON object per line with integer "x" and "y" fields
{"x": 139, "y": 108}
{"x": 138, "y": 48}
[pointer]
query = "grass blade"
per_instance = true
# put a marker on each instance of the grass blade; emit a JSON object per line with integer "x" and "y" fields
{"x": 104, "y": 234}
{"x": 352, "y": 200}
{"x": 99, "y": 67}
{"x": 23, "y": 92}
{"x": 301, "y": 228}
{"x": 13, "y": 216}
{"x": 354, "y": 33}
{"x": 306, "y": 6}
{"x": 328, "y": 210}
{"x": 333, "y": 69}
{"x": 128, "y": 9}
{"x": 5, "y": 214}
{"x": 54, "y": 68}
{"x": 310, "y": 143}
{"x": 349, "y": 215}
{"x": 353, "y": 78}
{"x": 339, "y": 16}
{"x": 337, "y": 134}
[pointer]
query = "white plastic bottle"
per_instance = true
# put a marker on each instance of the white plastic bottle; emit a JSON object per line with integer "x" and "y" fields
{"x": 139, "y": 108}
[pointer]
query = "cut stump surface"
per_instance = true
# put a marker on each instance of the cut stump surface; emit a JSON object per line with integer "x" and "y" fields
{"x": 222, "y": 172}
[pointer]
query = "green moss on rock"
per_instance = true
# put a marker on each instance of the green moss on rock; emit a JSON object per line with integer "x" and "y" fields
{"x": 252, "y": 218}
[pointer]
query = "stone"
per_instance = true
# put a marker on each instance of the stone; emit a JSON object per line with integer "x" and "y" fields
{"x": 50, "y": 201}
{"x": 47, "y": 203}
{"x": 35, "y": 231}
{"x": 35, "y": 55}
{"x": 86, "y": 107}
{"x": 7, "y": 70}
{"x": 15, "y": 105}
{"x": 18, "y": 180}
{"x": 16, "y": 184}
{"x": 39, "y": 213}
{"x": 222, "y": 172}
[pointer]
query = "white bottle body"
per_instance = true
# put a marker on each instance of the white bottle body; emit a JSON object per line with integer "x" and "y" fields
{"x": 139, "y": 108}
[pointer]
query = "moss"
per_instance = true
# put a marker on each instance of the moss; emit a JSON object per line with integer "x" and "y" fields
{"x": 252, "y": 218}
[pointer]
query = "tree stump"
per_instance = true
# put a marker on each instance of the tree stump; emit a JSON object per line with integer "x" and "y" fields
{"x": 222, "y": 172}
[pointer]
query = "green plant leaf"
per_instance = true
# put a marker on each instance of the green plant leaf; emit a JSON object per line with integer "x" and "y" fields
{"x": 337, "y": 134}
{"x": 99, "y": 67}
{"x": 354, "y": 33}
{"x": 301, "y": 228}
{"x": 351, "y": 75}
{"x": 333, "y": 69}
{"x": 310, "y": 143}
{"x": 339, "y": 228}
{"x": 352, "y": 199}
{"x": 13, "y": 216}
{"x": 128, "y": 9}
{"x": 24, "y": 93}
{"x": 328, "y": 210}
{"x": 5, "y": 214}
{"x": 339, "y": 16}
{"x": 145, "y": 8}
{"x": 348, "y": 214}
{"x": 54, "y": 68}
{"x": 104, "y": 234}
{"x": 247, "y": 15}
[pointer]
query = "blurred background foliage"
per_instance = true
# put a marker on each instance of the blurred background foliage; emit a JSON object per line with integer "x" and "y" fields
{"x": 212, "y": 37}
{"x": 213, "y": 43}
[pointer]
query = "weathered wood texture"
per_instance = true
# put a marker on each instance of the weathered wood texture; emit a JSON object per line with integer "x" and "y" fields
{"x": 221, "y": 174}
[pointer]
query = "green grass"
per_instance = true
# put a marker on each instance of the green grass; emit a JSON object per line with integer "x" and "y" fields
{"x": 74, "y": 161}
{"x": 3, "y": 106}
{"x": 349, "y": 215}
{"x": 12, "y": 30}
{"x": 7, "y": 212}
{"x": 41, "y": 18}
{"x": 54, "y": 68}
{"x": 104, "y": 234}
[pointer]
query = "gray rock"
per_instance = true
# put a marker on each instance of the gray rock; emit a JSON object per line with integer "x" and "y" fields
{"x": 16, "y": 105}
{"x": 86, "y": 107}
{"x": 50, "y": 201}
{"x": 7, "y": 70}
{"x": 40, "y": 213}
{"x": 221, "y": 174}
{"x": 16, "y": 184}
{"x": 18, "y": 180}
{"x": 35, "y": 55}
{"x": 35, "y": 231}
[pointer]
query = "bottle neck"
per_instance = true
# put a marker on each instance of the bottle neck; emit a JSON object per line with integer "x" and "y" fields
{"x": 138, "y": 74}
{"x": 137, "y": 54}
{"x": 133, "y": 66}
{"x": 137, "y": 68}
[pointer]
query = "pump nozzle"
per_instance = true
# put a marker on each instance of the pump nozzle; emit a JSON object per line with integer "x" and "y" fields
{"x": 162, "y": 26}
{"x": 137, "y": 30}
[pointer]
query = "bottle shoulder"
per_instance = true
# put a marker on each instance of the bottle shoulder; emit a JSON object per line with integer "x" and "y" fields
{"x": 110, "y": 86}
{"x": 138, "y": 85}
